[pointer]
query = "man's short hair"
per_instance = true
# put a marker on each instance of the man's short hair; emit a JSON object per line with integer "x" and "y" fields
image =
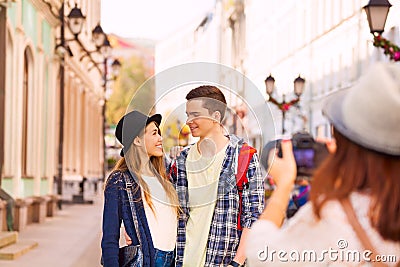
{"x": 212, "y": 97}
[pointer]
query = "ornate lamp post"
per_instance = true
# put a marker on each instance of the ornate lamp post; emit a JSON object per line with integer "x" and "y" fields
{"x": 75, "y": 23}
{"x": 115, "y": 68}
{"x": 377, "y": 12}
{"x": 103, "y": 47}
{"x": 75, "y": 20}
{"x": 284, "y": 106}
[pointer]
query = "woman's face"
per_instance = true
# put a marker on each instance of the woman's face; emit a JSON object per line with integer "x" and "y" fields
{"x": 153, "y": 141}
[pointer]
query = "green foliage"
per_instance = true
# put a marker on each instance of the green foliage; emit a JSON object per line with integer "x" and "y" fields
{"x": 132, "y": 75}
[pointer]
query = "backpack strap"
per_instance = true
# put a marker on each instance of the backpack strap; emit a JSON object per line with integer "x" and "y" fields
{"x": 245, "y": 155}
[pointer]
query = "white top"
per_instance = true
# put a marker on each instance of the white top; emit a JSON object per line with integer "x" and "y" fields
{"x": 162, "y": 223}
{"x": 203, "y": 176}
{"x": 304, "y": 235}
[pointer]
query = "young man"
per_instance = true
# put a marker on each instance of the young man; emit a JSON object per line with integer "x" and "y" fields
{"x": 208, "y": 233}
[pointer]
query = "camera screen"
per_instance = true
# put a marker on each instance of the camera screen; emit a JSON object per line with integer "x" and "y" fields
{"x": 304, "y": 157}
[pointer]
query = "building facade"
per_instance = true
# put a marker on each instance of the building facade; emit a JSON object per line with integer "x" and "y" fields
{"x": 217, "y": 37}
{"x": 326, "y": 42}
{"x": 32, "y": 99}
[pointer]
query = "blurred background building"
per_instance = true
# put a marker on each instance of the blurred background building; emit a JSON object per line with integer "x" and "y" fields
{"x": 60, "y": 98}
{"x": 328, "y": 43}
{"x": 32, "y": 97}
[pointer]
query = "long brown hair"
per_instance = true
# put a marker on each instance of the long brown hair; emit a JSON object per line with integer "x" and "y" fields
{"x": 353, "y": 168}
{"x": 132, "y": 162}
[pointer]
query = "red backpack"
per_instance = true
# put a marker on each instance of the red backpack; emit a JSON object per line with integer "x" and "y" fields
{"x": 245, "y": 155}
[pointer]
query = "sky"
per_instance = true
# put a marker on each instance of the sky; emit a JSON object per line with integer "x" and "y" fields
{"x": 150, "y": 19}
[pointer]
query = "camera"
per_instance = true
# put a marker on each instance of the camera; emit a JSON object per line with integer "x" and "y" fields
{"x": 308, "y": 153}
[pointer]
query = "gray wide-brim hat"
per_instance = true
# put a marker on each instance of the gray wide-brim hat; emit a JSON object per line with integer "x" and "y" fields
{"x": 368, "y": 113}
{"x": 131, "y": 125}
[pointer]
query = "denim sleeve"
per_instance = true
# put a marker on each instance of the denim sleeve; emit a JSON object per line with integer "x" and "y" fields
{"x": 253, "y": 195}
{"x": 111, "y": 221}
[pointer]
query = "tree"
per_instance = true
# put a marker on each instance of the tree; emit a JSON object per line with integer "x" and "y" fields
{"x": 132, "y": 76}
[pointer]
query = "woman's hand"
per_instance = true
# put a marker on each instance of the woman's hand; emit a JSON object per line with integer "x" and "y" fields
{"x": 330, "y": 143}
{"x": 128, "y": 240}
{"x": 283, "y": 170}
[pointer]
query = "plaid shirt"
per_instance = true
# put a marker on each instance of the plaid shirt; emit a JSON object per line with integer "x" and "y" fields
{"x": 224, "y": 237}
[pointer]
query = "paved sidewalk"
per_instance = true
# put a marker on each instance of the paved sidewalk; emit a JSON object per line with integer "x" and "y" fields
{"x": 69, "y": 239}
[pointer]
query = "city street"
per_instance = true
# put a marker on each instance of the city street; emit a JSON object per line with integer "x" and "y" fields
{"x": 70, "y": 239}
{"x": 81, "y": 83}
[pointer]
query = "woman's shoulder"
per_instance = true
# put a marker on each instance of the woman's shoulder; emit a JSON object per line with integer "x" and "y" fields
{"x": 118, "y": 177}
{"x": 115, "y": 177}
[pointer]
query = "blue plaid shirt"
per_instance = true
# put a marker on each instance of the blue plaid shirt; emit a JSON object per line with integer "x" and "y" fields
{"x": 224, "y": 237}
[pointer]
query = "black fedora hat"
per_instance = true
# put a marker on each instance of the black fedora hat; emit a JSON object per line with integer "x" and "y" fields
{"x": 131, "y": 125}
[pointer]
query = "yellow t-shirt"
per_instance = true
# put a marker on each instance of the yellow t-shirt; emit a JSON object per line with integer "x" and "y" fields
{"x": 203, "y": 176}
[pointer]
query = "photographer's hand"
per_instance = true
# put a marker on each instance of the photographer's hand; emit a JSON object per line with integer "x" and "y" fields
{"x": 283, "y": 171}
{"x": 330, "y": 143}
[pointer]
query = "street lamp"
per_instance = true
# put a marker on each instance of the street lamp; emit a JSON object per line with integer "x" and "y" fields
{"x": 284, "y": 106}
{"x": 115, "y": 67}
{"x": 103, "y": 47}
{"x": 377, "y": 12}
{"x": 98, "y": 35}
{"x": 75, "y": 20}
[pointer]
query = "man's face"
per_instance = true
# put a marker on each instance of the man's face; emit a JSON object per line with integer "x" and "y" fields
{"x": 199, "y": 119}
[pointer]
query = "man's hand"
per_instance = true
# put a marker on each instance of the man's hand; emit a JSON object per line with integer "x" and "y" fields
{"x": 175, "y": 152}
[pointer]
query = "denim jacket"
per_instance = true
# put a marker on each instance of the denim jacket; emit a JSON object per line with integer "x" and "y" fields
{"x": 116, "y": 210}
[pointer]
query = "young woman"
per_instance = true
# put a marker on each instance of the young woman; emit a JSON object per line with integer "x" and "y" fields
{"x": 353, "y": 216}
{"x": 155, "y": 199}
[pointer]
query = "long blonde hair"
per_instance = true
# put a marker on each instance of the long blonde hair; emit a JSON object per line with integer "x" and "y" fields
{"x": 133, "y": 162}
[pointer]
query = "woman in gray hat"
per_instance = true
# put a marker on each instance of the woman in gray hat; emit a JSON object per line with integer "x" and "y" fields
{"x": 139, "y": 193}
{"x": 353, "y": 216}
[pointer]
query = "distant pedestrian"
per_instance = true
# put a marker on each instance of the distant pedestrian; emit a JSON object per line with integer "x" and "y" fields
{"x": 82, "y": 185}
{"x": 354, "y": 202}
{"x": 154, "y": 197}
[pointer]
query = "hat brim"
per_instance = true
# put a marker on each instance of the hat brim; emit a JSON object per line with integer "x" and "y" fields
{"x": 156, "y": 118}
{"x": 334, "y": 112}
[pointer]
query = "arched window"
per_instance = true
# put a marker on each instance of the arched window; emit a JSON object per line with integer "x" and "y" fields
{"x": 26, "y": 87}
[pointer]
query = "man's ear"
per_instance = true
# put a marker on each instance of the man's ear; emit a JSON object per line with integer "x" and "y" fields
{"x": 137, "y": 141}
{"x": 217, "y": 116}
